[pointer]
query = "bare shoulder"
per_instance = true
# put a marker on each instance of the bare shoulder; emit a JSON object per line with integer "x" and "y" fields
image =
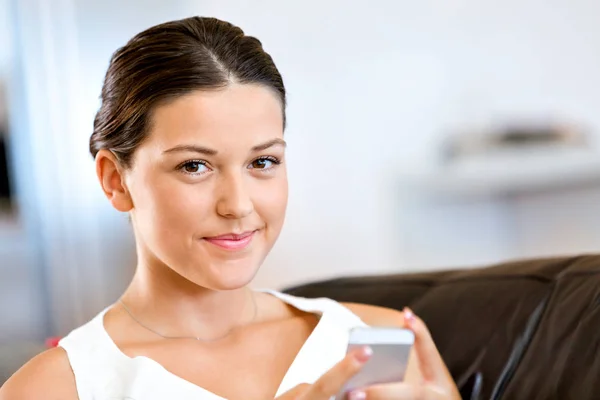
{"x": 46, "y": 376}
{"x": 376, "y": 316}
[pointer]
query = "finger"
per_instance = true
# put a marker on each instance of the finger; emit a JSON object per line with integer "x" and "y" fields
{"x": 398, "y": 391}
{"x": 413, "y": 370}
{"x": 395, "y": 391}
{"x": 430, "y": 362}
{"x": 294, "y": 393}
{"x": 332, "y": 382}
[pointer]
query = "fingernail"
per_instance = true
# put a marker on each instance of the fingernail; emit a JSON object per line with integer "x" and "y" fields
{"x": 364, "y": 354}
{"x": 357, "y": 395}
{"x": 409, "y": 316}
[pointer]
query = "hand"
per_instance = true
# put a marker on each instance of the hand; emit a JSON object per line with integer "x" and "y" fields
{"x": 427, "y": 377}
{"x": 430, "y": 380}
{"x": 330, "y": 383}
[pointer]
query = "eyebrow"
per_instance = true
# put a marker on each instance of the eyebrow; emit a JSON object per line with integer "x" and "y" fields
{"x": 269, "y": 144}
{"x": 211, "y": 152}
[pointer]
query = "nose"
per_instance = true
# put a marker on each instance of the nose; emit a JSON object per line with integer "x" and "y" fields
{"x": 234, "y": 200}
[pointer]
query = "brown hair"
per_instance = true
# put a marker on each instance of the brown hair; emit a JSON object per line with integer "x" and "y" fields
{"x": 170, "y": 60}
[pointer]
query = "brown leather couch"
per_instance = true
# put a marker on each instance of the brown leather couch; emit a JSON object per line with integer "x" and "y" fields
{"x": 520, "y": 330}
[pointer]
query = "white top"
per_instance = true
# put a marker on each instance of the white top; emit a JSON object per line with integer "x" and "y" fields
{"x": 103, "y": 372}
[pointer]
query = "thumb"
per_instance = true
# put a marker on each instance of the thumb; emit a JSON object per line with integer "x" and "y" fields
{"x": 295, "y": 392}
{"x": 333, "y": 381}
{"x": 330, "y": 383}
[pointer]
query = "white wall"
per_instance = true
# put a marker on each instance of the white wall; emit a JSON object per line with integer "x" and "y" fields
{"x": 5, "y": 36}
{"x": 372, "y": 88}
{"x": 22, "y": 313}
{"x": 5, "y": 57}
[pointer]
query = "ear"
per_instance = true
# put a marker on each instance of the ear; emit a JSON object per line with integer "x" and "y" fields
{"x": 112, "y": 179}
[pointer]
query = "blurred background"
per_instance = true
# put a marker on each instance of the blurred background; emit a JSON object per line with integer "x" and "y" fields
{"x": 422, "y": 135}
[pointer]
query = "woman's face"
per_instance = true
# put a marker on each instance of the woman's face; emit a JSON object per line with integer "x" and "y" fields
{"x": 209, "y": 185}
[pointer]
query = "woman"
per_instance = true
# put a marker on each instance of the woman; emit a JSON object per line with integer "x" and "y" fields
{"x": 189, "y": 142}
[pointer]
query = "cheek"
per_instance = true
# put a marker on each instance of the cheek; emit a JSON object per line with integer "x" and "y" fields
{"x": 172, "y": 207}
{"x": 271, "y": 201}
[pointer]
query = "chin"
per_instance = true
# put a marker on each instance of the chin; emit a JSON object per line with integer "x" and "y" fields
{"x": 226, "y": 276}
{"x": 231, "y": 282}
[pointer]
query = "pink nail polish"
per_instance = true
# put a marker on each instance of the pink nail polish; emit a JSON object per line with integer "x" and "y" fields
{"x": 364, "y": 354}
{"x": 357, "y": 395}
{"x": 409, "y": 317}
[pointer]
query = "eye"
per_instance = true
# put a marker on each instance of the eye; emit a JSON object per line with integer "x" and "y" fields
{"x": 264, "y": 163}
{"x": 193, "y": 167}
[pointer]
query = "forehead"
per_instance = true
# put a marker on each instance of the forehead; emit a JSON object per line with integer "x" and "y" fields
{"x": 236, "y": 114}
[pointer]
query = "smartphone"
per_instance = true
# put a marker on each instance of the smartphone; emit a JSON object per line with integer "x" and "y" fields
{"x": 391, "y": 347}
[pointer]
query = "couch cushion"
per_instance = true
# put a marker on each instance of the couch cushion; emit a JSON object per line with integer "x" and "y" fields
{"x": 393, "y": 291}
{"x": 563, "y": 358}
{"x": 475, "y": 316}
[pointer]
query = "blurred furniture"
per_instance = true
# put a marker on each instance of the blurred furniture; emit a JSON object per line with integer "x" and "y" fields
{"x": 5, "y": 190}
{"x": 520, "y": 330}
{"x": 514, "y": 204}
{"x": 508, "y": 173}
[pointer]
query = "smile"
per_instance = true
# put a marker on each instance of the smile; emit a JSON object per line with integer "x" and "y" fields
{"x": 232, "y": 241}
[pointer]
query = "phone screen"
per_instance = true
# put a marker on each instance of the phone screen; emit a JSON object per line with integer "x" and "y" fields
{"x": 387, "y": 364}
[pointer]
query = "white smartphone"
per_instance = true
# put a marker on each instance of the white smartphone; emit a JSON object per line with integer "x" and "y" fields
{"x": 391, "y": 348}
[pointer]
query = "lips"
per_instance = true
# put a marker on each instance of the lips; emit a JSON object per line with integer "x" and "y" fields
{"x": 232, "y": 241}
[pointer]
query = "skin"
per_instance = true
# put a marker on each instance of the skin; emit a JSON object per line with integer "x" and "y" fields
{"x": 214, "y": 163}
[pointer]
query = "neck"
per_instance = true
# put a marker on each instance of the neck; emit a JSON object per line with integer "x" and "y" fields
{"x": 174, "y": 306}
